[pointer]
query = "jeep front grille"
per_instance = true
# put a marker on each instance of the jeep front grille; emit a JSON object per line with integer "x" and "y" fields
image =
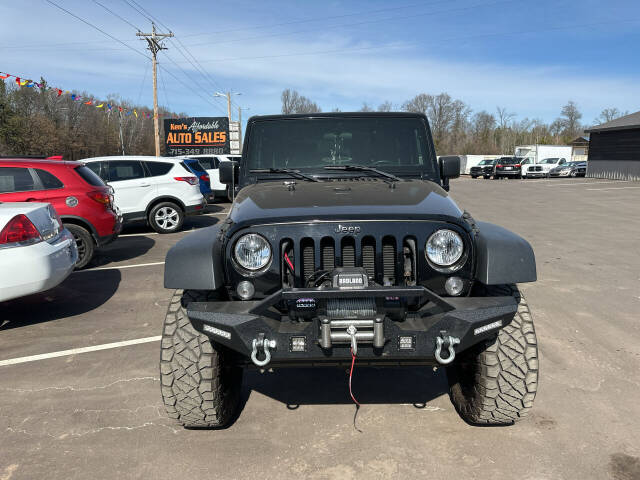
{"x": 379, "y": 257}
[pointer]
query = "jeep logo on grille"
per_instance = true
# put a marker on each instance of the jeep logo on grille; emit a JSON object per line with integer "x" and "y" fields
{"x": 350, "y": 229}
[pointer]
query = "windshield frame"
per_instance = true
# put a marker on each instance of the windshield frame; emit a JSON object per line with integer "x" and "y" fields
{"x": 431, "y": 173}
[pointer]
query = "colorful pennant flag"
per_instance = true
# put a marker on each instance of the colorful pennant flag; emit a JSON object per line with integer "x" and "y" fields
{"x": 75, "y": 97}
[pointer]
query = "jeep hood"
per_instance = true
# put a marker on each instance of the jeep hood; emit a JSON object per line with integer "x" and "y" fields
{"x": 275, "y": 202}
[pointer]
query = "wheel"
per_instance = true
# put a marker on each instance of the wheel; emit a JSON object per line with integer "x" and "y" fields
{"x": 200, "y": 385}
{"x": 573, "y": 174}
{"x": 495, "y": 382}
{"x": 166, "y": 217}
{"x": 486, "y": 177}
{"x": 474, "y": 176}
{"x": 84, "y": 243}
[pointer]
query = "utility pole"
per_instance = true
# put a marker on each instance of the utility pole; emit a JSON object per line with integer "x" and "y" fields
{"x": 240, "y": 126}
{"x": 154, "y": 40}
{"x": 228, "y": 95}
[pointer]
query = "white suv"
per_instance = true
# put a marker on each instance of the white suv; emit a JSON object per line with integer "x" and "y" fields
{"x": 160, "y": 190}
{"x": 211, "y": 164}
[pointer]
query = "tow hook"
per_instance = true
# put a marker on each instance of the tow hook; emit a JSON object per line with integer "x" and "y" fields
{"x": 263, "y": 344}
{"x": 449, "y": 342}
{"x": 351, "y": 331}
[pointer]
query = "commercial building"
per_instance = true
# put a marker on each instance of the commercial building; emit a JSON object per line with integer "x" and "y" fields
{"x": 614, "y": 149}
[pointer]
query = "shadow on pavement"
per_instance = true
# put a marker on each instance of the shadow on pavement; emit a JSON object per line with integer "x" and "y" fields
{"x": 320, "y": 386}
{"x": 76, "y": 295}
{"x": 122, "y": 249}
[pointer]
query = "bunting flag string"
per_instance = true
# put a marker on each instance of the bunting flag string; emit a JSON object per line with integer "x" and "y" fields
{"x": 21, "y": 82}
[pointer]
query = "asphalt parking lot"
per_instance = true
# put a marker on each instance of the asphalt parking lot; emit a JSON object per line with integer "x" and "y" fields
{"x": 98, "y": 413}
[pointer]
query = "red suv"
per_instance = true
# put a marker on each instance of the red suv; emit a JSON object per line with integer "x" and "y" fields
{"x": 83, "y": 200}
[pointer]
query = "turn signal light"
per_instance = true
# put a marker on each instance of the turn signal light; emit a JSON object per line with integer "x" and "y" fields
{"x": 189, "y": 180}
{"x": 20, "y": 230}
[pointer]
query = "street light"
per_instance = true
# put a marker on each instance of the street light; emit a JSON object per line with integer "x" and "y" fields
{"x": 228, "y": 95}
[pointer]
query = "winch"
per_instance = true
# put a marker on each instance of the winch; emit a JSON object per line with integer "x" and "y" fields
{"x": 351, "y": 320}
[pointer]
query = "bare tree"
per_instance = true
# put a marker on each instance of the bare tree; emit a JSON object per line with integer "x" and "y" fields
{"x": 366, "y": 108}
{"x": 570, "y": 117}
{"x": 293, "y": 102}
{"x": 504, "y": 117}
{"x": 609, "y": 114}
{"x": 385, "y": 106}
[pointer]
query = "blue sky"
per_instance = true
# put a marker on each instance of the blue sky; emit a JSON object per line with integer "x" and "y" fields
{"x": 529, "y": 56}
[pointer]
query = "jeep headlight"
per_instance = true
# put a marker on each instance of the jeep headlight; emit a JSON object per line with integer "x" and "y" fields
{"x": 252, "y": 252}
{"x": 444, "y": 248}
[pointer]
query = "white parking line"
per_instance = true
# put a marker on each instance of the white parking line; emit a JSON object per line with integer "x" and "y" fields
{"x": 585, "y": 183}
{"x": 120, "y": 267}
{"x": 610, "y": 188}
{"x": 213, "y": 214}
{"x": 74, "y": 351}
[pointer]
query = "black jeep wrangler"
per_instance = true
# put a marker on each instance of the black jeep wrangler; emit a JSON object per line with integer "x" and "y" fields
{"x": 343, "y": 245}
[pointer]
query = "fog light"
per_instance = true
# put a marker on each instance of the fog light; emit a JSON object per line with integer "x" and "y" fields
{"x": 407, "y": 343}
{"x": 454, "y": 286}
{"x": 298, "y": 344}
{"x": 245, "y": 290}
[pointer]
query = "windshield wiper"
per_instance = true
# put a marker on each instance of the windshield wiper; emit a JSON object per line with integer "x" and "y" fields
{"x": 362, "y": 168}
{"x": 288, "y": 171}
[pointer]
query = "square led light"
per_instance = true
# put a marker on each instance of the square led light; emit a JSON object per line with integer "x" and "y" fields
{"x": 298, "y": 344}
{"x": 407, "y": 343}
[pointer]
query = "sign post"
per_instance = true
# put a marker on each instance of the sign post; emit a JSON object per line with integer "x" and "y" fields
{"x": 197, "y": 136}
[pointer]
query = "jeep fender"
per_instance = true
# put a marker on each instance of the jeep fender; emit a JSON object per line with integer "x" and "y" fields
{"x": 194, "y": 262}
{"x": 503, "y": 257}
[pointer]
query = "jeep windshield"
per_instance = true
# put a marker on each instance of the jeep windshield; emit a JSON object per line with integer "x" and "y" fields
{"x": 395, "y": 145}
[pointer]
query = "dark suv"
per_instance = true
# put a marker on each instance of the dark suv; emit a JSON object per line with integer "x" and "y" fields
{"x": 508, "y": 167}
{"x": 484, "y": 169}
{"x": 344, "y": 247}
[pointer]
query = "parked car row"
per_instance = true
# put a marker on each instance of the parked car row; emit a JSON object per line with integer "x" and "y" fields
{"x": 518, "y": 167}
{"x": 63, "y": 211}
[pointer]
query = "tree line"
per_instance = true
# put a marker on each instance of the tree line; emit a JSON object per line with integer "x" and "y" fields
{"x": 457, "y": 129}
{"x": 36, "y": 121}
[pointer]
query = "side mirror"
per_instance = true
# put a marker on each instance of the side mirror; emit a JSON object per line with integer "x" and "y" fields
{"x": 229, "y": 172}
{"x": 449, "y": 168}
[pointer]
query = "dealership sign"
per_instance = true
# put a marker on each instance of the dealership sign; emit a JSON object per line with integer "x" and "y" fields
{"x": 197, "y": 136}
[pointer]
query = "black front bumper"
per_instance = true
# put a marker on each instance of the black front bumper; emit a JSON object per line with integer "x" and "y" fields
{"x": 470, "y": 319}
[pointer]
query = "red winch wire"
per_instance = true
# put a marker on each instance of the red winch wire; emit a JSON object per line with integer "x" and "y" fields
{"x": 289, "y": 262}
{"x": 353, "y": 361}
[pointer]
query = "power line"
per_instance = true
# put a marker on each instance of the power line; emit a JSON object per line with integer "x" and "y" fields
{"x": 308, "y": 20}
{"x": 116, "y": 15}
{"x": 137, "y": 10}
{"x": 164, "y": 91}
{"x": 443, "y": 41}
{"x": 97, "y": 28}
{"x": 144, "y": 79}
{"x": 365, "y": 22}
{"x": 182, "y": 49}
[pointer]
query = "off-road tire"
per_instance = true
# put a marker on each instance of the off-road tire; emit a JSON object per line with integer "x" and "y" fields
{"x": 174, "y": 224}
{"x": 84, "y": 243}
{"x": 495, "y": 382}
{"x": 200, "y": 385}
